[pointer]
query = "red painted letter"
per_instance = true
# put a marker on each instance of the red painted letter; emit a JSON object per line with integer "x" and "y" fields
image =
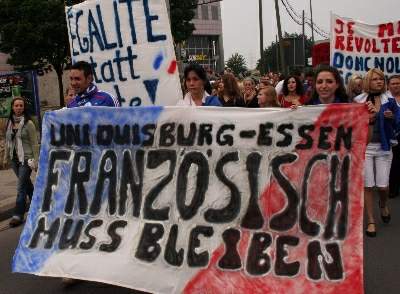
{"x": 385, "y": 43}
{"x": 350, "y": 27}
{"x": 350, "y": 47}
{"x": 396, "y": 45}
{"x": 339, "y": 30}
{"x": 386, "y": 27}
{"x": 339, "y": 44}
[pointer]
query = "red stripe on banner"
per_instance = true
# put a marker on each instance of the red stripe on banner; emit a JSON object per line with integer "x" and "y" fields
{"x": 273, "y": 200}
{"x": 172, "y": 67}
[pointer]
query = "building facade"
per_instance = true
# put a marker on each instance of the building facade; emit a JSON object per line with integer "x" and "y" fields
{"x": 205, "y": 46}
{"x": 4, "y": 66}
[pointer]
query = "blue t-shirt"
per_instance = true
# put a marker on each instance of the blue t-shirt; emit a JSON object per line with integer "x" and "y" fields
{"x": 212, "y": 101}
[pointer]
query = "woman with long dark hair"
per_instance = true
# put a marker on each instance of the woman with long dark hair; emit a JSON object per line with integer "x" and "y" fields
{"x": 22, "y": 151}
{"x": 197, "y": 87}
{"x": 292, "y": 93}
{"x": 328, "y": 87}
{"x": 230, "y": 95}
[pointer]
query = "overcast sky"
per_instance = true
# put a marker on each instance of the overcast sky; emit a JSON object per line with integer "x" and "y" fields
{"x": 240, "y": 20}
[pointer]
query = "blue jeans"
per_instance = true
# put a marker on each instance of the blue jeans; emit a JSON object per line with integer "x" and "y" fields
{"x": 24, "y": 186}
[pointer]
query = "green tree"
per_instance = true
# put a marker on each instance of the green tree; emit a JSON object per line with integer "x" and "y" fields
{"x": 237, "y": 64}
{"x": 271, "y": 54}
{"x": 34, "y": 33}
{"x": 182, "y": 13}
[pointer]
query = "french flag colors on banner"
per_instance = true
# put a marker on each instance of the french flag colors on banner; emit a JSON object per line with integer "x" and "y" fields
{"x": 200, "y": 200}
{"x": 357, "y": 47}
{"x": 130, "y": 48}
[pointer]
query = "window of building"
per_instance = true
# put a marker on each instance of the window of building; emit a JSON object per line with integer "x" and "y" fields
{"x": 196, "y": 13}
{"x": 204, "y": 11}
{"x": 214, "y": 12}
{"x": 200, "y": 49}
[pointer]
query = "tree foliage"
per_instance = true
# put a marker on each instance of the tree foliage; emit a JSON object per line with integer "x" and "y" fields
{"x": 237, "y": 64}
{"x": 34, "y": 33}
{"x": 182, "y": 13}
{"x": 271, "y": 54}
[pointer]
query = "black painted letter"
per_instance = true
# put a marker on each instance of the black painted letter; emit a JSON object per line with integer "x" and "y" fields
{"x": 259, "y": 263}
{"x": 231, "y": 211}
{"x": 288, "y": 218}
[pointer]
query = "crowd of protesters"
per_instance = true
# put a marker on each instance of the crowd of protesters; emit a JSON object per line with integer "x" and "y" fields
{"x": 323, "y": 85}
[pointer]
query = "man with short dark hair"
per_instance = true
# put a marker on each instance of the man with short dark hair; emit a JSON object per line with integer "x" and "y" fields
{"x": 87, "y": 93}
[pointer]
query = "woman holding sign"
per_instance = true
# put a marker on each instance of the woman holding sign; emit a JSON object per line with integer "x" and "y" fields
{"x": 198, "y": 88}
{"x": 378, "y": 156}
{"x": 22, "y": 151}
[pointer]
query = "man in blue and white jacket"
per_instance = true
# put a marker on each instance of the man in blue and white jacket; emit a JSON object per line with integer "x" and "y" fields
{"x": 87, "y": 93}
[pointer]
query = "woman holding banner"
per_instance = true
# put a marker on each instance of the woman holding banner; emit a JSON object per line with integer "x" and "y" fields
{"x": 329, "y": 87}
{"x": 378, "y": 156}
{"x": 198, "y": 88}
{"x": 22, "y": 151}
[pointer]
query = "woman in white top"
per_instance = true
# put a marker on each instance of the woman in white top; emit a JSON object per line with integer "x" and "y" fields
{"x": 197, "y": 88}
{"x": 378, "y": 156}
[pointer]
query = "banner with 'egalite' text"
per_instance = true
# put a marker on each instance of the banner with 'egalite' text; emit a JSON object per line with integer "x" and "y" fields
{"x": 200, "y": 200}
{"x": 130, "y": 48}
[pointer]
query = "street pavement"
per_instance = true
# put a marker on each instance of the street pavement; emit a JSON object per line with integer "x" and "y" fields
{"x": 8, "y": 184}
{"x": 11, "y": 283}
{"x": 381, "y": 257}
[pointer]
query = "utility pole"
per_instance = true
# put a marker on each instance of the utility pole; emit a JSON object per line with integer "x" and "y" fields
{"x": 312, "y": 23}
{"x": 277, "y": 54}
{"x": 304, "y": 38}
{"x": 260, "y": 19}
{"x": 278, "y": 22}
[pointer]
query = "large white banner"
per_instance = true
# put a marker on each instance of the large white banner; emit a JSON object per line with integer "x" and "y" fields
{"x": 356, "y": 47}
{"x": 201, "y": 200}
{"x": 130, "y": 47}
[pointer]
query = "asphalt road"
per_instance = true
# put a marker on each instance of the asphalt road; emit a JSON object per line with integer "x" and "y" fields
{"x": 11, "y": 283}
{"x": 381, "y": 265}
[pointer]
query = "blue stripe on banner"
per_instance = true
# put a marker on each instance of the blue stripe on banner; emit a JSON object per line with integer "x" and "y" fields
{"x": 32, "y": 261}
